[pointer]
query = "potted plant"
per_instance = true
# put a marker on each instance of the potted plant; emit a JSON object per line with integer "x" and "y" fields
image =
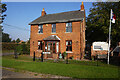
{"x": 65, "y": 55}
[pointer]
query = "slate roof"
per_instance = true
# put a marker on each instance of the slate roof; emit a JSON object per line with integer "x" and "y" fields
{"x": 59, "y": 17}
{"x": 52, "y": 37}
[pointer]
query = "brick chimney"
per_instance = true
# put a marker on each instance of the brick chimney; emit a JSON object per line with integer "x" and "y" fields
{"x": 82, "y": 6}
{"x": 43, "y": 12}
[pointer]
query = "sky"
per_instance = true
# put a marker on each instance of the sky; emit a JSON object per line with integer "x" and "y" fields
{"x": 20, "y": 14}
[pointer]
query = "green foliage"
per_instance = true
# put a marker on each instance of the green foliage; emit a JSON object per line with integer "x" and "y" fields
{"x": 8, "y": 46}
{"x": 25, "y": 48}
{"x": 18, "y": 40}
{"x": 13, "y": 41}
{"x": 5, "y": 37}
{"x": 4, "y": 8}
{"x": 19, "y": 48}
{"x": 98, "y": 22}
{"x": 65, "y": 54}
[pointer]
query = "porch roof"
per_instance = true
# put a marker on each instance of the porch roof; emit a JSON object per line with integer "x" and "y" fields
{"x": 52, "y": 37}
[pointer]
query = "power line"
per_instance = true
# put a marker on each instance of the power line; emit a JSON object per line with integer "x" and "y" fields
{"x": 16, "y": 27}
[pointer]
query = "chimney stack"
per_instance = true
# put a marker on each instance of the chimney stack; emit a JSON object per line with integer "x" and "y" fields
{"x": 43, "y": 12}
{"x": 82, "y": 6}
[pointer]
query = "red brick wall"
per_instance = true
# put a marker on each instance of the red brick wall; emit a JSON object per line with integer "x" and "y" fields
{"x": 75, "y": 36}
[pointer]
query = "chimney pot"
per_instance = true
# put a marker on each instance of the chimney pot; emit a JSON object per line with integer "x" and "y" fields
{"x": 43, "y": 12}
{"x": 82, "y": 6}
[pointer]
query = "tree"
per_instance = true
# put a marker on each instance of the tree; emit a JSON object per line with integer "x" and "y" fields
{"x": 5, "y": 37}
{"x": 18, "y": 40}
{"x": 3, "y": 8}
{"x": 13, "y": 41}
{"x": 98, "y": 22}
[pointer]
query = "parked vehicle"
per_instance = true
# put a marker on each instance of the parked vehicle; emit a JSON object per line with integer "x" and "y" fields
{"x": 99, "y": 50}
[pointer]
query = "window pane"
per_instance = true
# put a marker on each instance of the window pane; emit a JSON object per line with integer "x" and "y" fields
{"x": 68, "y": 45}
{"x": 40, "y": 29}
{"x": 70, "y": 48}
{"x": 69, "y": 27}
{"x": 66, "y": 48}
{"x": 66, "y": 42}
{"x": 40, "y": 45}
{"x": 54, "y": 28}
{"x": 38, "y": 42}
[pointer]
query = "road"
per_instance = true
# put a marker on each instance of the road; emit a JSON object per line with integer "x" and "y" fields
{"x": 11, "y": 74}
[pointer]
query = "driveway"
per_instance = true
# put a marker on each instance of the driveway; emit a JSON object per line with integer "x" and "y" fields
{"x": 11, "y": 73}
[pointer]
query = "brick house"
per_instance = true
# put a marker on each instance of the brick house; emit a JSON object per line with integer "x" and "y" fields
{"x": 60, "y": 32}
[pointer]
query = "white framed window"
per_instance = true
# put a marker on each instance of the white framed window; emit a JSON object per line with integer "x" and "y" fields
{"x": 40, "y": 29}
{"x": 69, "y": 27}
{"x": 69, "y": 45}
{"x": 40, "y": 45}
{"x": 53, "y": 28}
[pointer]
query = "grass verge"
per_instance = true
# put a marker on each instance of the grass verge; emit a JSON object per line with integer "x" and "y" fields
{"x": 70, "y": 70}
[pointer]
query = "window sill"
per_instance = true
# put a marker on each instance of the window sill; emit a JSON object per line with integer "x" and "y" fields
{"x": 54, "y": 33}
{"x": 40, "y": 33}
{"x": 68, "y": 32}
{"x": 69, "y": 52}
{"x": 39, "y": 50}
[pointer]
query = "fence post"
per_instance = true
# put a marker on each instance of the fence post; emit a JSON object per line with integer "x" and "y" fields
{"x": 67, "y": 58}
{"x": 15, "y": 54}
{"x": 41, "y": 56}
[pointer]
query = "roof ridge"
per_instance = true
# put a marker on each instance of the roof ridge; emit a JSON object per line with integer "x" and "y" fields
{"x": 60, "y": 17}
{"x": 63, "y": 12}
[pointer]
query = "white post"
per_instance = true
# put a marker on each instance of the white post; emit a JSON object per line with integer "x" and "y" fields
{"x": 109, "y": 35}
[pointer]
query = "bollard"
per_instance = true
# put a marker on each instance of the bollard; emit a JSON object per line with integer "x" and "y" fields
{"x": 34, "y": 56}
{"x": 41, "y": 56}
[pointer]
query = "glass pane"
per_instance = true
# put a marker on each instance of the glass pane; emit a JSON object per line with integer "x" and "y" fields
{"x": 57, "y": 47}
{"x": 38, "y": 47}
{"x": 38, "y": 42}
{"x": 40, "y": 29}
{"x": 66, "y": 43}
{"x": 54, "y": 28}
{"x": 70, "y": 48}
{"x": 66, "y": 48}
{"x": 45, "y": 46}
{"x": 69, "y": 42}
{"x": 50, "y": 47}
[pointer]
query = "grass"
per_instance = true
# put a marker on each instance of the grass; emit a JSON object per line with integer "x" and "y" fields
{"x": 71, "y": 70}
{"x": 20, "y": 57}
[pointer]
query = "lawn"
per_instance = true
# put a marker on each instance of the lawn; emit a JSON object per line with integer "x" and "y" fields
{"x": 71, "y": 70}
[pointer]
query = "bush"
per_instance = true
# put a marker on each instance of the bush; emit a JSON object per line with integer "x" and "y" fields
{"x": 9, "y": 46}
{"x": 19, "y": 48}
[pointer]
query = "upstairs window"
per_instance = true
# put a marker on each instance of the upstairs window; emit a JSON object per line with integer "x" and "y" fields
{"x": 53, "y": 28}
{"x": 40, "y": 29}
{"x": 69, "y": 45}
{"x": 69, "y": 27}
{"x": 39, "y": 45}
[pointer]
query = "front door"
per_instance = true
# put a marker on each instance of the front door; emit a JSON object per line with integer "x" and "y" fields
{"x": 52, "y": 47}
